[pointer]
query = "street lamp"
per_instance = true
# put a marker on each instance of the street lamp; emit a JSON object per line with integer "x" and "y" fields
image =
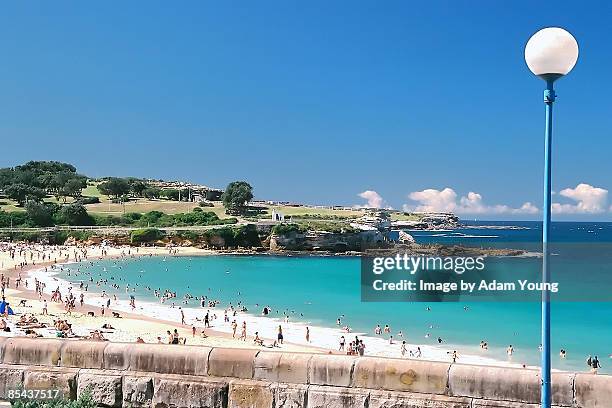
{"x": 550, "y": 54}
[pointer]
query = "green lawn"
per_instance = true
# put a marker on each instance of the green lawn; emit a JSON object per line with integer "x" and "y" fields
{"x": 144, "y": 205}
{"x": 289, "y": 211}
{"x": 92, "y": 191}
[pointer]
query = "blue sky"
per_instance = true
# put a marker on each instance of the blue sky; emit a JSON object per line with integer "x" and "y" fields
{"x": 315, "y": 101}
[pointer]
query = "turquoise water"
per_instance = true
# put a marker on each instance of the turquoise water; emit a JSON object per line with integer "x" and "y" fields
{"x": 321, "y": 289}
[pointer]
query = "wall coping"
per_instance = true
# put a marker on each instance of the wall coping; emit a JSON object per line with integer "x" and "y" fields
{"x": 317, "y": 369}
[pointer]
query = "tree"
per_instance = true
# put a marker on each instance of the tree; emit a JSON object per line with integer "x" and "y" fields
{"x": 236, "y": 196}
{"x": 74, "y": 187}
{"x": 22, "y": 192}
{"x": 114, "y": 187}
{"x": 137, "y": 187}
{"x": 7, "y": 177}
{"x": 151, "y": 192}
{"x": 171, "y": 194}
{"x": 41, "y": 214}
{"x": 73, "y": 214}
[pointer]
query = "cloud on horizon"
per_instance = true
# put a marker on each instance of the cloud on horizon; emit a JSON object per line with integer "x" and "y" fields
{"x": 374, "y": 200}
{"x": 588, "y": 199}
{"x": 432, "y": 200}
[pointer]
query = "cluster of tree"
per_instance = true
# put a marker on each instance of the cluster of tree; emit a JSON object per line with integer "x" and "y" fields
{"x": 49, "y": 214}
{"x": 39, "y": 214}
{"x": 35, "y": 180}
{"x": 122, "y": 188}
{"x": 117, "y": 188}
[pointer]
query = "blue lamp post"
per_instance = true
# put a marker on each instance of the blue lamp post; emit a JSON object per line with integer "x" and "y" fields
{"x": 550, "y": 54}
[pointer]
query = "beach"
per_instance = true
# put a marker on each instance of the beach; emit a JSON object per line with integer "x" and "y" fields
{"x": 150, "y": 322}
{"x": 127, "y": 328}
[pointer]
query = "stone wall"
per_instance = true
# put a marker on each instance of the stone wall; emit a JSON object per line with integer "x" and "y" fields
{"x": 155, "y": 375}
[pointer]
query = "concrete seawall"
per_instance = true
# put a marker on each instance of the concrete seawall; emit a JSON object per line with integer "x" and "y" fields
{"x": 155, "y": 375}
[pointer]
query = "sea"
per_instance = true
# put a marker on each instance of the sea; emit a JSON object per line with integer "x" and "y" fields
{"x": 318, "y": 290}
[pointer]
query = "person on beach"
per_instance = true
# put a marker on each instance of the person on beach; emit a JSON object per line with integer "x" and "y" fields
{"x": 307, "y": 334}
{"x": 595, "y": 365}
{"x": 510, "y": 350}
{"x": 361, "y": 348}
{"x": 243, "y": 333}
{"x": 182, "y": 315}
{"x": 258, "y": 340}
{"x": 280, "y": 335}
{"x": 234, "y": 327}
{"x": 403, "y": 348}
{"x": 44, "y": 309}
{"x": 342, "y": 343}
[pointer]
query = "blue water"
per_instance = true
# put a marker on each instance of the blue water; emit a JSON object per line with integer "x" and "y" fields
{"x": 321, "y": 289}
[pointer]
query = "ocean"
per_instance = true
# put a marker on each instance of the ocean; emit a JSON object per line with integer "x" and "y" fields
{"x": 317, "y": 290}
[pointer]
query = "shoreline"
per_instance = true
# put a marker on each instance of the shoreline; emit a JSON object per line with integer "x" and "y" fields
{"x": 153, "y": 316}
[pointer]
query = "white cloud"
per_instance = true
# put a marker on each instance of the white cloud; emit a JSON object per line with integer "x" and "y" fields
{"x": 373, "y": 198}
{"x": 589, "y": 200}
{"x": 432, "y": 200}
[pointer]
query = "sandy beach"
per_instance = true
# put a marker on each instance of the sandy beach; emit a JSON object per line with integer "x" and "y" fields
{"x": 127, "y": 328}
{"x": 151, "y": 321}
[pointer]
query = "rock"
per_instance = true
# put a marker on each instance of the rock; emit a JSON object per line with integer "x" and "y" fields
{"x": 94, "y": 240}
{"x": 331, "y": 397}
{"x": 406, "y": 238}
{"x": 11, "y": 377}
{"x": 289, "y": 395}
{"x": 137, "y": 391}
{"x": 250, "y": 394}
{"x": 182, "y": 391}
{"x": 62, "y": 379}
{"x": 105, "y": 388}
